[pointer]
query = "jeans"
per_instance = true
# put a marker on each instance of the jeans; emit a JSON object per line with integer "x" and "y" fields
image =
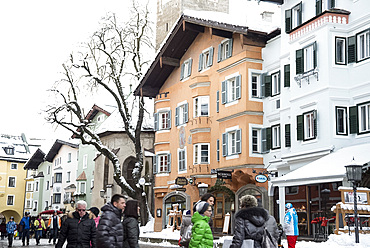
{"x": 38, "y": 236}
{"x": 53, "y": 234}
{"x": 10, "y": 239}
{"x": 26, "y": 234}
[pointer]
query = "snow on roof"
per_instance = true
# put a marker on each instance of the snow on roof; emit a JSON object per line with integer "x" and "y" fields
{"x": 346, "y": 206}
{"x": 328, "y": 168}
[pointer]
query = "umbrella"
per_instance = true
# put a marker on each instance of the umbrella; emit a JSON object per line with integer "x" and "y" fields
{"x": 50, "y": 212}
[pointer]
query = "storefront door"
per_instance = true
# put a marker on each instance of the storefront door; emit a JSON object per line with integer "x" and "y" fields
{"x": 221, "y": 208}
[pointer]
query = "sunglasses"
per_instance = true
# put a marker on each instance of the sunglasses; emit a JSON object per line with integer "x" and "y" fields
{"x": 81, "y": 210}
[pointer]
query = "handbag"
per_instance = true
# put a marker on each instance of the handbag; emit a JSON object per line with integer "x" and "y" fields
{"x": 268, "y": 241}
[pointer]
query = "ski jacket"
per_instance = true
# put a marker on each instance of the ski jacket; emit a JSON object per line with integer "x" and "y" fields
{"x": 291, "y": 222}
{"x": 11, "y": 226}
{"x": 25, "y": 222}
{"x": 131, "y": 232}
{"x": 201, "y": 234}
{"x": 39, "y": 224}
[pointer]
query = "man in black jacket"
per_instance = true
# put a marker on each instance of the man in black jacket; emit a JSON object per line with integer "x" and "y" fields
{"x": 110, "y": 229}
{"x": 79, "y": 229}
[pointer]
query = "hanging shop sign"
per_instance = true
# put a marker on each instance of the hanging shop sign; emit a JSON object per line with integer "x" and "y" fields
{"x": 181, "y": 181}
{"x": 261, "y": 178}
{"x": 181, "y": 189}
{"x": 224, "y": 174}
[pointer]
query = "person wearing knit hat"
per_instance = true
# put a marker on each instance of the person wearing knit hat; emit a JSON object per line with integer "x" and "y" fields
{"x": 250, "y": 223}
{"x": 95, "y": 212}
{"x": 291, "y": 225}
{"x": 201, "y": 235}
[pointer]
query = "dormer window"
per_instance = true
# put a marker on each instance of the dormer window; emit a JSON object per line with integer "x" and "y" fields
{"x": 225, "y": 50}
{"x": 9, "y": 150}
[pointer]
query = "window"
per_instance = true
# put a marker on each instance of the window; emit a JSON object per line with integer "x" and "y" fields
{"x": 58, "y": 178}
{"x": 307, "y": 126}
{"x": 68, "y": 176}
{"x": 13, "y": 166}
{"x": 83, "y": 187}
{"x": 293, "y": 17}
{"x": 100, "y": 118}
{"x": 364, "y": 118}
{"x": 10, "y": 200}
{"x": 69, "y": 157}
{"x": 340, "y": 50}
{"x": 47, "y": 185}
{"x": 341, "y": 120}
{"x": 186, "y": 69}
{"x": 255, "y": 86}
{"x": 57, "y": 198}
{"x": 292, "y": 190}
{"x": 9, "y": 150}
{"x": 276, "y": 137}
{"x": 231, "y": 142}
{"x": 28, "y": 204}
{"x": 46, "y": 205}
{"x": 287, "y": 75}
{"x": 11, "y": 182}
{"x": 182, "y": 116}
{"x": 306, "y": 58}
{"x": 256, "y": 140}
{"x": 201, "y": 153}
{"x": 91, "y": 186}
{"x": 84, "y": 162}
{"x": 35, "y": 206}
{"x": 324, "y": 5}
{"x": 162, "y": 120}
{"x": 201, "y": 106}
{"x": 162, "y": 163}
{"x": 287, "y": 136}
{"x": 231, "y": 89}
{"x": 37, "y": 186}
{"x": 49, "y": 170}
{"x": 225, "y": 50}
{"x": 29, "y": 186}
{"x": 363, "y": 45}
{"x": 206, "y": 59}
{"x": 218, "y": 149}
{"x": 182, "y": 159}
{"x": 275, "y": 83}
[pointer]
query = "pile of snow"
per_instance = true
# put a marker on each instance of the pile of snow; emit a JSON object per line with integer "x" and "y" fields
{"x": 165, "y": 234}
{"x": 347, "y": 206}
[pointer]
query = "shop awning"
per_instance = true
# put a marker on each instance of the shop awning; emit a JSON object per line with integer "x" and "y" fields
{"x": 330, "y": 168}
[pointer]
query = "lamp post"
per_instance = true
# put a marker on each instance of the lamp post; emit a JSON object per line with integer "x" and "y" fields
{"x": 203, "y": 188}
{"x": 354, "y": 175}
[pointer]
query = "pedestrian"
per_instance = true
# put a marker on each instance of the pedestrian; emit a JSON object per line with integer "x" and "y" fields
{"x": 110, "y": 228}
{"x": 39, "y": 227}
{"x": 201, "y": 235}
{"x": 291, "y": 225}
{"x": 250, "y": 223}
{"x": 95, "y": 215}
{"x": 26, "y": 225}
{"x": 54, "y": 225}
{"x": 78, "y": 229}
{"x": 130, "y": 222}
{"x": 3, "y": 229}
{"x": 11, "y": 227}
{"x": 185, "y": 229}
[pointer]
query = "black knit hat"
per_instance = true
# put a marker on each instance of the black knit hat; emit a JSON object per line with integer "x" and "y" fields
{"x": 95, "y": 211}
{"x": 202, "y": 206}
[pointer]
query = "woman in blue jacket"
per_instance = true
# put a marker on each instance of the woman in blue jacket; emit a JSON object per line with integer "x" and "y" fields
{"x": 11, "y": 226}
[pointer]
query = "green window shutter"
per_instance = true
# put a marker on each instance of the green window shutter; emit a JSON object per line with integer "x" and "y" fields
{"x": 200, "y": 66}
{"x": 218, "y": 101}
{"x": 288, "y": 20}
{"x": 186, "y": 114}
{"x": 223, "y": 92}
{"x": 287, "y": 75}
{"x": 190, "y": 64}
{"x": 224, "y": 144}
{"x": 262, "y": 80}
{"x": 169, "y": 119}
{"x": 315, "y": 123}
{"x": 218, "y": 149}
{"x": 299, "y": 62}
{"x": 331, "y": 4}
{"x": 177, "y": 116}
{"x": 182, "y": 71}
{"x": 314, "y": 54}
{"x": 239, "y": 141}
{"x": 351, "y": 49}
{"x": 230, "y": 52}
{"x": 169, "y": 162}
{"x": 267, "y": 81}
{"x": 155, "y": 121}
{"x": 318, "y": 7}
{"x": 300, "y": 13}
{"x": 219, "y": 53}
{"x": 238, "y": 86}
{"x": 263, "y": 141}
{"x": 300, "y": 127}
{"x": 353, "y": 120}
{"x": 155, "y": 169}
{"x": 268, "y": 138}
{"x": 210, "y": 58}
{"x": 287, "y": 136}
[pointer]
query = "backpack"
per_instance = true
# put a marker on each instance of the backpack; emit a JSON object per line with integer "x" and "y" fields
{"x": 185, "y": 239}
{"x": 267, "y": 240}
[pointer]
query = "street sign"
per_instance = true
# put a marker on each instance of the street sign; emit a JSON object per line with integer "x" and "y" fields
{"x": 181, "y": 181}
{"x": 224, "y": 174}
{"x": 261, "y": 178}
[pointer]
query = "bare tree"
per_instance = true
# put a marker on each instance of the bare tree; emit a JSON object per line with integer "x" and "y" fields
{"x": 112, "y": 61}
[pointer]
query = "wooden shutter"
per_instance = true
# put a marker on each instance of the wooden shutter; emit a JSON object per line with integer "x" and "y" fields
{"x": 287, "y": 75}
{"x": 186, "y": 113}
{"x": 267, "y": 82}
{"x": 288, "y": 20}
{"x": 299, "y": 62}
{"x": 189, "y": 68}
{"x": 238, "y": 86}
{"x": 315, "y": 123}
{"x": 287, "y": 135}
{"x": 239, "y": 141}
{"x": 218, "y": 149}
{"x": 230, "y": 52}
{"x": 169, "y": 162}
{"x": 219, "y": 53}
{"x": 262, "y": 80}
{"x": 299, "y": 13}
{"x": 218, "y": 101}
{"x": 177, "y": 116}
{"x": 300, "y": 127}
{"x": 331, "y": 4}
{"x": 182, "y": 71}
{"x": 223, "y": 92}
{"x": 314, "y": 54}
{"x": 318, "y": 7}
{"x": 353, "y": 120}
{"x": 224, "y": 144}
{"x": 210, "y": 57}
{"x": 169, "y": 119}
{"x": 200, "y": 65}
{"x": 263, "y": 141}
{"x": 155, "y": 169}
{"x": 155, "y": 121}
{"x": 351, "y": 49}
{"x": 268, "y": 138}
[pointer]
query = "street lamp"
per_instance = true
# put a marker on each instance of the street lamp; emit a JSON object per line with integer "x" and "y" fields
{"x": 203, "y": 188}
{"x": 102, "y": 192}
{"x": 354, "y": 175}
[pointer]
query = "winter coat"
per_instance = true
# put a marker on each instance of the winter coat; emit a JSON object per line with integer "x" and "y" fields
{"x": 250, "y": 224}
{"x": 186, "y": 221}
{"x": 291, "y": 223}
{"x": 25, "y": 221}
{"x": 201, "y": 234}
{"x": 39, "y": 226}
{"x": 52, "y": 223}
{"x": 110, "y": 228}
{"x": 131, "y": 232}
{"x": 78, "y": 232}
{"x": 11, "y": 226}
{"x": 97, "y": 219}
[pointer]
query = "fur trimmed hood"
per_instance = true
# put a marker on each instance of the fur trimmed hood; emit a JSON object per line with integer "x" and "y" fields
{"x": 256, "y": 215}
{"x": 74, "y": 214}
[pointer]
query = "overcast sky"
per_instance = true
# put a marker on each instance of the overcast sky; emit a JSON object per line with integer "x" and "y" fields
{"x": 36, "y": 38}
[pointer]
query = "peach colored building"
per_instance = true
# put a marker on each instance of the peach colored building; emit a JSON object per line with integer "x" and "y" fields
{"x": 207, "y": 128}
